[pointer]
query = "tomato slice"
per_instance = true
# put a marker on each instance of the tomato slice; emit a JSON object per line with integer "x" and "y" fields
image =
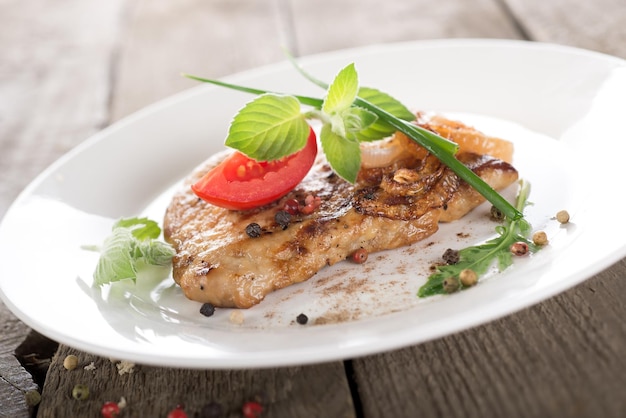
{"x": 240, "y": 182}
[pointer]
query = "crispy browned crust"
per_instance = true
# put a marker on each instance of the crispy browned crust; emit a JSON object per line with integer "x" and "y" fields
{"x": 217, "y": 262}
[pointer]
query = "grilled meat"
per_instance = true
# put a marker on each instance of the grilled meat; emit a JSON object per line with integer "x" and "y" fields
{"x": 218, "y": 262}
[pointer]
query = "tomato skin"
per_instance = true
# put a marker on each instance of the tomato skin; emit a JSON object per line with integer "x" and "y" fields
{"x": 240, "y": 183}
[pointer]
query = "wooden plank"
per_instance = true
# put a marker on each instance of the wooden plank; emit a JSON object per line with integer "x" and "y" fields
{"x": 597, "y": 25}
{"x": 165, "y": 39}
{"x": 152, "y": 392}
{"x": 329, "y": 25}
{"x": 54, "y": 83}
{"x": 15, "y": 381}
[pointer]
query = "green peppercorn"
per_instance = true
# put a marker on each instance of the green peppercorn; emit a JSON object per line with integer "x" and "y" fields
{"x": 32, "y": 398}
{"x": 468, "y": 277}
{"x": 450, "y": 284}
{"x": 562, "y": 216}
{"x": 540, "y": 238}
{"x": 70, "y": 362}
{"x": 80, "y": 392}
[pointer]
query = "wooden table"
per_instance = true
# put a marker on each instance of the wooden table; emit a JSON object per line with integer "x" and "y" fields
{"x": 71, "y": 67}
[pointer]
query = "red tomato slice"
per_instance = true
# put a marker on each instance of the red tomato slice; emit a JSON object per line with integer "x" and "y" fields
{"x": 240, "y": 182}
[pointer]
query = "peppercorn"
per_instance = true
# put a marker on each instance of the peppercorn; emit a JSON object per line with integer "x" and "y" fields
{"x": 292, "y": 206}
{"x": 80, "y": 392}
{"x": 496, "y": 214}
{"x": 254, "y": 230}
{"x": 540, "y": 238}
{"x": 110, "y": 410}
{"x": 451, "y": 256}
{"x": 207, "y": 309}
{"x": 177, "y": 412}
{"x": 282, "y": 218}
{"x": 359, "y": 256}
{"x": 468, "y": 277}
{"x": 450, "y": 284}
{"x": 252, "y": 409}
{"x": 302, "y": 319}
{"x": 562, "y": 216}
{"x": 519, "y": 248}
{"x": 70, "y": 362}
{"x": 32, "y": 398}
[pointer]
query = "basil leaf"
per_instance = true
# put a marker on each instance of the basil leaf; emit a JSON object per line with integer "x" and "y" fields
{"x": 344, "y": 155}
{"x": 381, "y": 129}
{"x": 116, "y": 258}
{"x": 132, "y": 244}
{"x": 142, "y": 228}
{"x": 357, "y": 119}
{"x": 269, "y": 127}
{"x": 342, "y": 91}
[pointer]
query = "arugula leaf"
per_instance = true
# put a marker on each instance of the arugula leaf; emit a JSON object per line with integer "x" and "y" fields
{"x": 259, "y": 129}
{"x": 480, "y": 258}
{"x": 132, "y": 243}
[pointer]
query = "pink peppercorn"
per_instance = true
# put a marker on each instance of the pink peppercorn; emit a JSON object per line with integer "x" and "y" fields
{"x": 252, "y": 409}
{"x": 110, "y": 410}
{"x": 177, "y": 412}
{"x": 519, "y": 248}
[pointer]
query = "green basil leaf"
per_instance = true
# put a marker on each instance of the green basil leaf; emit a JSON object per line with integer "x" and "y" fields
{"x": 269, "y": 127}
{"x": 344, "y": 155}
{"x": 116, "y": 258}
{"x": 342, "y": 91}
{"x": 356, "y": 119}
{"x": 131, "y": 245}
{"x": 381, "y": 129}
{"x": 142, "y": 228}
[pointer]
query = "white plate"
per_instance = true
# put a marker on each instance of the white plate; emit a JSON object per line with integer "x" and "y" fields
{"x": 562, "y": 107}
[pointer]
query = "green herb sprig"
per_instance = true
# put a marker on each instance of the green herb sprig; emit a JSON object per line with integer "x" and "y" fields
{"x": 480, "y": 258}
{"x": 132, "y": 244}
{"x": 349, "y": 114}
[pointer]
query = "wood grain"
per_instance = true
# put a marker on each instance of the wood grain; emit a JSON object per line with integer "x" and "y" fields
{"x": 326, "y": 25}
{"x": 163, "y": 39}
{"x": 598, "y": 25}
{"x": 151, "y": 392}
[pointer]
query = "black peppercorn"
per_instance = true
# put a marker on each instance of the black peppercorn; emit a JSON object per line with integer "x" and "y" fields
{"x": 253, "y": 230}
{"x": 302, "y": 319}
{"x": 451, "y": 256}
{"x": 207, "y": 309}
{"x": 282, "y": 218}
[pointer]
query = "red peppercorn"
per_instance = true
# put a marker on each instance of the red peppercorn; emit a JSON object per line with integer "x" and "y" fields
{"x": 177, "y": 412}
{"x": 110, "y": 410}
{"x": 292, "y": 207}
{"x": 519, "y": 248}
{"x": 359, "y": 256}
{"x": 252, "y": 409}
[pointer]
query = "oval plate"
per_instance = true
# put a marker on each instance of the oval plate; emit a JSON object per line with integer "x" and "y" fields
{"x": 561, "y": 106}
